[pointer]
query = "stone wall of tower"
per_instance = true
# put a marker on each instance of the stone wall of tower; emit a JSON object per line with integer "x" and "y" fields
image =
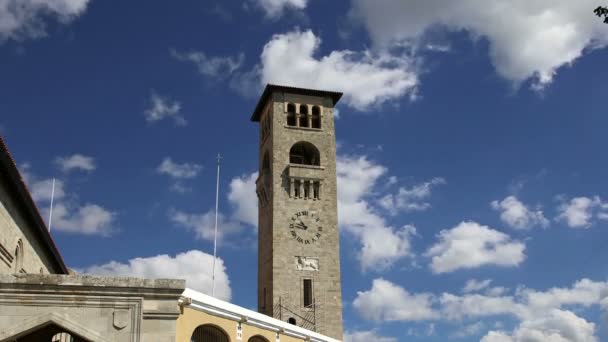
{"x": 286, "y": 280}
{"x": 265, "y": 239}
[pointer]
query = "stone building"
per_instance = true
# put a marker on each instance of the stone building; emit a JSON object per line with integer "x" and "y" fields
{"x": 299, "y": 272}
{"x": 40, "y": 301}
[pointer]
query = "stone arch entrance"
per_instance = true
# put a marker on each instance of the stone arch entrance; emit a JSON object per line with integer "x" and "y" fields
{"x": 50, "y": 328}
{"x": 209, "y": 333}
{"x": 50, "y": 333}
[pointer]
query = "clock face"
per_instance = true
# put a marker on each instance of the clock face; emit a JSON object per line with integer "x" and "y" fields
{"x": 305, "y": 227}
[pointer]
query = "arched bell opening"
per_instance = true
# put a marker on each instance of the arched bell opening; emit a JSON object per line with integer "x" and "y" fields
{"x": 304, "y": 153}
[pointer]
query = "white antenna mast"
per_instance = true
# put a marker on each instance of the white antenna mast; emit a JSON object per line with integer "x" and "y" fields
{"x": 51, "y": 210}
{"x": 217, "y": 192}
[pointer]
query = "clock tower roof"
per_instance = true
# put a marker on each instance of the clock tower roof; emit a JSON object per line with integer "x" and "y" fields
{"x": 273, "y": 88}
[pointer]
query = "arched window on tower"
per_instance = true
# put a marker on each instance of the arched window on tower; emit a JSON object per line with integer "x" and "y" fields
{"x": 303, "y": 115}
{"x": 316, "y": 117}
{"x": 304, "y": 153}
{"x": 291, "y": 114}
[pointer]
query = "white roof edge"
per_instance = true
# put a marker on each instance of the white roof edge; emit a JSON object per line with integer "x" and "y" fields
{"x": 216, "y": 307}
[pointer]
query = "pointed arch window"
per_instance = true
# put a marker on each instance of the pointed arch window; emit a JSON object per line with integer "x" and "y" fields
{"x": 19, "y": 256}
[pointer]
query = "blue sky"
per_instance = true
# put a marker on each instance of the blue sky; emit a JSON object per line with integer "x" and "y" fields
{"x": 471, "y": 143}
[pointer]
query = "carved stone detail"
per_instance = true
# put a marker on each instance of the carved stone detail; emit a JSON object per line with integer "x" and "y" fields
{"x": 307, "y": 263}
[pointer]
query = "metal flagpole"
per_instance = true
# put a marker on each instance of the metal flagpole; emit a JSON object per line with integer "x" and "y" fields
{"x": 51, "y": 210}
{"x": 217, "y": 192}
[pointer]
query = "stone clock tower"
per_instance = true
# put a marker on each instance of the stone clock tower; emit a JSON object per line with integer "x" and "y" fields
{"x": 298, "y": 240}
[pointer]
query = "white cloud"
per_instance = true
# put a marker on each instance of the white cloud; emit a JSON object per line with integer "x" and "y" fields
{"x": 381, "y": 244}
{"x": 514, "y": 213}
{"x": 88, "y": 219}
{"x": 216, "y": 67}
{"x": 454, "y": 307}
{"x": 366, "y": 336}
{"x": 496, "y": 336}
{"x": 203, "y": 225}
{"x": 178, "y": 171}
{"x": 474, "y": 285}
{"x": 275, "y": 8}
{"x": 194, "y": 266}
{"x": 412, "y": 199}
{"x": 556, "y": 326}
{"x": 366, "y": 79}
{"x": 386, "y": 301}
{"x": 540, "y": 314}
{"x": 21, "y": 19}
{"x": 68, "y": 214}
{"x": 41, "y": 189}
{"x": 243, "y": 198}
{"x": 470, "y": 330}
{"x": 470, "y": 245}
{"x": 164, "y": 108}
{"x": 579, "y": 212}
{"x": 527, "y": 40}
{"x": 75, "y": 162}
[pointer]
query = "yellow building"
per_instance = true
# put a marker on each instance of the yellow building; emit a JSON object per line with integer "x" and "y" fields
{"x": 207, "y": 319}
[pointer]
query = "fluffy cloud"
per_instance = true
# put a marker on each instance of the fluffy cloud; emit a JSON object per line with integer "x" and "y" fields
{"x": 194, "y": 266}
{"x": 580, "y": 211}
{"x": 75, "y": 162}
{"x": 470, "y": 245}
{"x": 365, "y": 336}
{"x": 216, "y": 67}
{"x": 203, "y": 225}
{"x": 178, "y": 171}
{"x": 514, "y": 213}
{"x": 88, "y": 219}
{"x": 557, "y": 326}
{"x": 163, "y": 108}
{"x": 20, "y": 19}
{"x": 412, "y": 199}
{"x": 41, "y": 189}
{"x": 527, "y": 40}
{"x": 275, "y": 8}
{"x": 386, "y": 301}
{"x": 381, "y": 244}
{"x": 474, "y": 285}
{"x": 540, "y": 314}
{"x": 243, "y": 199}
{"x": 68, "y": 214}
{"x": 366, "y": 78}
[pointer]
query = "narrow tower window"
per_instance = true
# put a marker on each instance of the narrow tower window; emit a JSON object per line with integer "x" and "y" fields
{"x": 291, "y": 114}
{"x": 296, "y": 186}
{"x": 316, "y": 117}
{"x": 307, "y": 189}
{"x": 307, "y": 293}
{"x": 303, "y": 116}
{"x": 315, "y": 190}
